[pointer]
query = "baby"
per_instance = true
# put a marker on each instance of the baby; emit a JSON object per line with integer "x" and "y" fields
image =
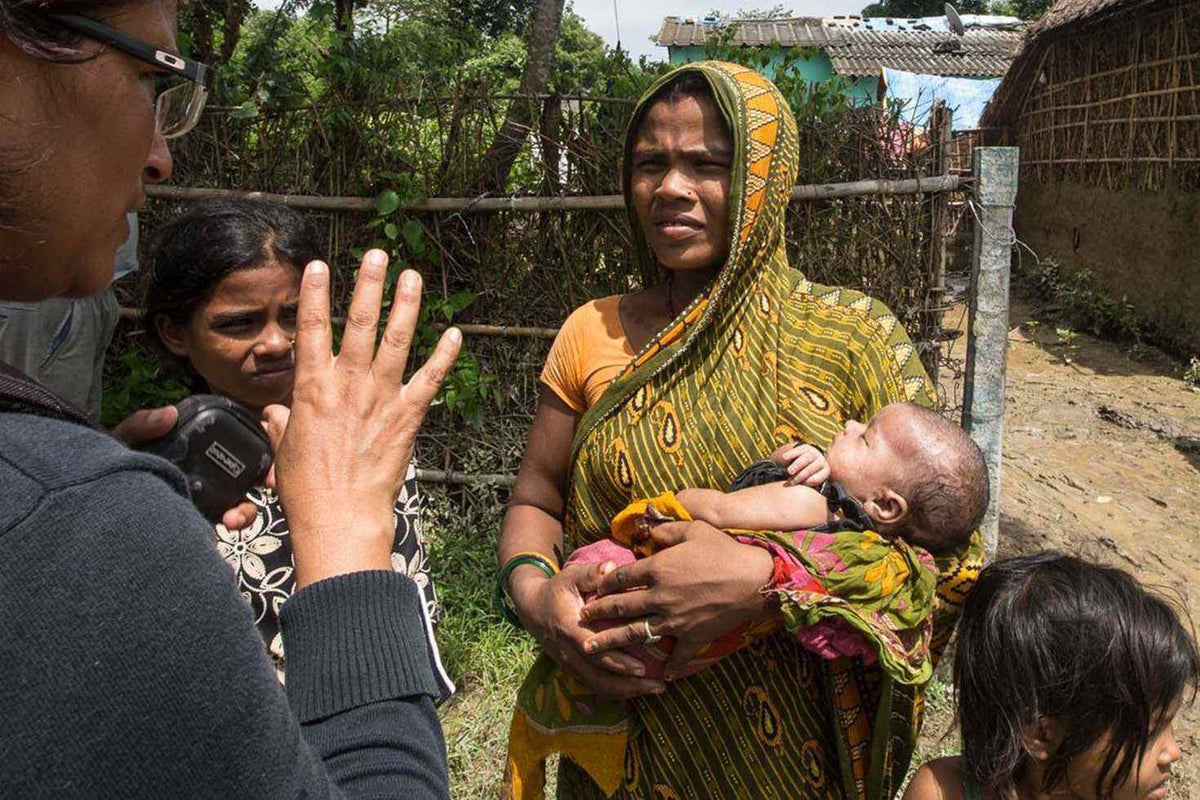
{"x": 908, "y": 473}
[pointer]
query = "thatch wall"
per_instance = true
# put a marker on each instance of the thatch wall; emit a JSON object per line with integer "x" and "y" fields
{"x": 1104, "y": 103}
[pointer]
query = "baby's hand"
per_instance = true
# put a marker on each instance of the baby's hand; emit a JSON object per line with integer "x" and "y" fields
{"x": 805, "y": 464}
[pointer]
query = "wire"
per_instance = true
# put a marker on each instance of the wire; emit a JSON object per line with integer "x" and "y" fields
{"x": 1008, "y": 238}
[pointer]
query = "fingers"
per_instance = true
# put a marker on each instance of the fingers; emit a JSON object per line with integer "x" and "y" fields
{"x": 683, "y": 654}
{"x": 586, "y": 577}
{"x": 620, "y": 605}
{"x": 808, "y": 467}
{"x": 625, "y": 577}
{"x": 362, "y": 320}
{"x": 314, "y": 339}
{"x": 670, "y": 534}
{"x": 402, "y": 321}
{"x": 787, "y": 454}
{"x": 801, "y": 457}
{"x": 240, "y": 516}
{"x": 627, "y": 635}
{"x": 784, "y": 454}
{"x": 146, "y": 425}
{"x": 818, "y": 477}
{"x": 607, "y": 684}
{"x": 811, "y": 475}
{"x": 621, "y": 664}
{"x": 274, "y": 420}
{"x": 428, "y": 379}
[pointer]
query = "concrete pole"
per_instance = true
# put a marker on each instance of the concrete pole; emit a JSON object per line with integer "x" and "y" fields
{"x": 996, "y": 170}
{"x": 941, "y": 121}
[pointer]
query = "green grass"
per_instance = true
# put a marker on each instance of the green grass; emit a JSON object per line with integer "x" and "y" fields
{"x": 486, "y": 657}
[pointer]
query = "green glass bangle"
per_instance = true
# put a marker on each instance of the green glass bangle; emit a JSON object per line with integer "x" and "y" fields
{"x": 503, "y": 601}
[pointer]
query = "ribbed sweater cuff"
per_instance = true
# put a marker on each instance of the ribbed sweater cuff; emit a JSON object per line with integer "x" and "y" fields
{"x": 352, "y": 640}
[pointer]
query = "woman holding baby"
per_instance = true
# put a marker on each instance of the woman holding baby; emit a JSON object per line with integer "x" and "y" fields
{"x": 684, "y": 384}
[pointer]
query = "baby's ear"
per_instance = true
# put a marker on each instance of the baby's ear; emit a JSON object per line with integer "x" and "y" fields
{"x": 887, "y": 507}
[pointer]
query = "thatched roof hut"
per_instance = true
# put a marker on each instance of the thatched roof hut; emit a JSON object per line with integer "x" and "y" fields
{"x": 1104, "y": 102}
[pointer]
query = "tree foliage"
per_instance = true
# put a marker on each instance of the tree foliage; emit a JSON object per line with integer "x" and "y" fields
{"x": 909, "y": 9}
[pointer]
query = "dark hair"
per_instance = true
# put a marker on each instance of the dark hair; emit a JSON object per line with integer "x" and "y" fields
{"x": 948, "y": 495}
{"x": 1048, "y": 636}
{"x": 194, "y": 252}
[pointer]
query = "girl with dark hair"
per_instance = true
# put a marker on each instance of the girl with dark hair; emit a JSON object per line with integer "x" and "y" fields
{"x": 220, "y": 298}
{"x": 131, "y": 667}
{"x": 220, "y": 293}
{"x": 1068, "y": 676}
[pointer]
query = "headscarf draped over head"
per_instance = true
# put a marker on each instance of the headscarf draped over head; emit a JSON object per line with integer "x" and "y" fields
{"x": 760, "y": 357}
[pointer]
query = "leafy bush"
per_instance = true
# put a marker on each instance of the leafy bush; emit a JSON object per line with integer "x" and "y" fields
{"x": 135, "y": 383}
{"x": 1081, "y": 300}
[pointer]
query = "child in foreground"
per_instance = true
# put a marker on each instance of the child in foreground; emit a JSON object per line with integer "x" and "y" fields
{"x": 1068, "y": 678}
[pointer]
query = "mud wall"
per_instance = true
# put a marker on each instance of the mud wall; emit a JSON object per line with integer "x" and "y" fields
{"x": 1144, "y": 246}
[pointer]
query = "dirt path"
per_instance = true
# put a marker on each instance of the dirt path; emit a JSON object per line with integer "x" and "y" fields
{"x": 1102, "y": 460}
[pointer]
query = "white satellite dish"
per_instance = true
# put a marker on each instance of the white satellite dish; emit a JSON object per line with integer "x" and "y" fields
{"x": 954, "y": 21}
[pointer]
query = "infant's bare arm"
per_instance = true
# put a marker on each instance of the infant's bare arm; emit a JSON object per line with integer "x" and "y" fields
{"x": 772, "y": 506}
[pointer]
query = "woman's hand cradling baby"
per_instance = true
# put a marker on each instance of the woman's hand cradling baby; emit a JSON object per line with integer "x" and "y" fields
{"x": 701, "y": 584}
{"x": 561, "y": 634}
{"x": 347, "y": 445}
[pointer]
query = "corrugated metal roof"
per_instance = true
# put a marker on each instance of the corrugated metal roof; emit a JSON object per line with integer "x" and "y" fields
{"x": 858, "y": 48}
{"x": 979, "y": 53}
{"x": 797, "y": 32}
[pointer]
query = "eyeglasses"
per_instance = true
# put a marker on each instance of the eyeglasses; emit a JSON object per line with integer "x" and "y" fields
{"x": 182, "y": 88}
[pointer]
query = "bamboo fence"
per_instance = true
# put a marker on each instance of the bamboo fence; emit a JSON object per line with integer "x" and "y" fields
{"x": 1117, "y": 104}
{"x": 863, "y": 218}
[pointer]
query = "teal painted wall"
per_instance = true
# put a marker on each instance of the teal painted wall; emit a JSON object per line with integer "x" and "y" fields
{"x": 815, "y": 69}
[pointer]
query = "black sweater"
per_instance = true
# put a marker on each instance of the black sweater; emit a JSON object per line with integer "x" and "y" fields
{"x": 130, "y": 667}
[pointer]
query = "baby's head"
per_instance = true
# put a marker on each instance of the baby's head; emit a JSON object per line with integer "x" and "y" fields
{"x": 918, "y": 475}
{"x": 1068, "y": 675}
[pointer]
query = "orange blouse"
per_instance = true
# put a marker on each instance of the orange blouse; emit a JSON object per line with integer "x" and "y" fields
{"x": 590, "y": 350}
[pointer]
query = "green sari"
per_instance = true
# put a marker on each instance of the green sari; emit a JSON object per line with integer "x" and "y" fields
{"x": 763, "y": 356}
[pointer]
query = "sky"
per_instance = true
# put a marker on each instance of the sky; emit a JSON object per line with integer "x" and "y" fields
{"x": 640, "y": 19}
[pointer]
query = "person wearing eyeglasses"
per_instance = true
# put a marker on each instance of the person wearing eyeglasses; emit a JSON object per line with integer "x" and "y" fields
{"x": 131, "y": 667}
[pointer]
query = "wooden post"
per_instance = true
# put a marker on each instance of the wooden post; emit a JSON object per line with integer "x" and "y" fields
{"x": 996, "y": 170}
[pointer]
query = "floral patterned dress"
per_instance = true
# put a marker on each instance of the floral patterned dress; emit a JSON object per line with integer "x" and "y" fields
{"x": 261, "y": 557}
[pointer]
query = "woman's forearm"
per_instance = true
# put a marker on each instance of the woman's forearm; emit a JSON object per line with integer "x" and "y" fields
{"x": 526, "y": 529}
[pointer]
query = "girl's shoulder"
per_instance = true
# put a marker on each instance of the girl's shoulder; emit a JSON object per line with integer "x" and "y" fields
{"x": 940, "y": 779}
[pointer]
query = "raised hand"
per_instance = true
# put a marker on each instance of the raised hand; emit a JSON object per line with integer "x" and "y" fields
{"x": 354, "y": 421}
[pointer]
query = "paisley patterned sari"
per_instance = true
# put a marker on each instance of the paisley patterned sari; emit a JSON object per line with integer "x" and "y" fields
{"x": 761, "y": 357}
